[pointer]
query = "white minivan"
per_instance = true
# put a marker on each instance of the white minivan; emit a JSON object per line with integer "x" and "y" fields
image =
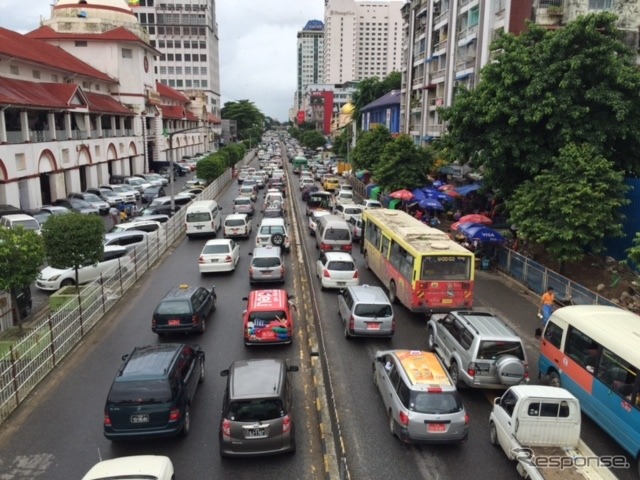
{"x": 203, "y": 218}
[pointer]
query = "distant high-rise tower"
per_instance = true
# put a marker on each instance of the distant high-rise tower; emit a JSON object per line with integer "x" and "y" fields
{"x": 186, "y": 32}
{"x": 362, "y": 39}
{"x": 310, "y": 57}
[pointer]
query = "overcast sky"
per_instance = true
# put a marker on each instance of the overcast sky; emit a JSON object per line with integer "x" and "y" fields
{"x": 257, "y": 45}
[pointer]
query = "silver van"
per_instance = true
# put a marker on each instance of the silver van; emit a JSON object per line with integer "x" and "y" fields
{"x": 267, "y": 265}
{"x": 333, "y": 233}
{"x": 366, "y": 311}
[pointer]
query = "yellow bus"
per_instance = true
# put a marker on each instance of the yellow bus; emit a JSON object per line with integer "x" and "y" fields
{"x": 420, "y": 266}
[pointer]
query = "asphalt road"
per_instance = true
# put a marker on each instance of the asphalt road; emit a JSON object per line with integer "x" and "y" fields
{"x": 57, "y": 433}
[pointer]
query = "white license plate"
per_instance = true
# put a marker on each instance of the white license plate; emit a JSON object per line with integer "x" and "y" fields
{"x": 373, "y": 326}
{"x": 256, "y": 432}
{"x": 213, "y": 260}
{"x": 139, "y": 418}
{"x": 340, "y": 284}
{"x": 199, "y": 226}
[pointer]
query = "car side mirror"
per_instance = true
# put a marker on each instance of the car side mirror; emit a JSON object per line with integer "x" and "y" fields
{"x": 293, "y": 368}
{"x": 224, "y": 373}
{"x": 124, "y": 357}
{"x": 380, "y": 359}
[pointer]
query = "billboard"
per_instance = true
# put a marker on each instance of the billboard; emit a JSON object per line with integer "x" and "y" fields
{"x": 320, "y": 110}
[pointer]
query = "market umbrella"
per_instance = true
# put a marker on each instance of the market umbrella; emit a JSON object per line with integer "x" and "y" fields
{"x": 403, "y": 194}
{"x": 430, "y": 203}
{"x": 431, "y": 193}
{"x": 418, "y": 194}
{"x": 438, "y": 183}
{"x": 476, "y": 218}
{"x": 452, "y": 193}
{"x": 483, "y": 235}
{"x": 459, "y": 226}
{"x": 445, "y": 187}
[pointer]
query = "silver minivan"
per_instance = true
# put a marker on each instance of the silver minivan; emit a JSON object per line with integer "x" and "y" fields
{"x": 366, "y": 311}
{"x": 267, "y": 265}
{"x": 333, "y": 233}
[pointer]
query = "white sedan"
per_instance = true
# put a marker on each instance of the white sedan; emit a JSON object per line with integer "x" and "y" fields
{"x": 114, "y": 261}
{"x": 219, "y": 256}
{"x": 154, "y": 467}
{"x": 337, "y": 270}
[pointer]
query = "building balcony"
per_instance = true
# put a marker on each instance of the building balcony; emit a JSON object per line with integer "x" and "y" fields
{"x": 436, "y": 102}
{"x": 441, "y": 18}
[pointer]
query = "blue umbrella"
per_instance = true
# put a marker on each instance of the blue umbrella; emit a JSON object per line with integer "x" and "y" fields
{"x": 418, "y": 194}
{"x": 438, "y": 183}
{"x": 430, "y": 203}
{"x": 483, "y": 235}
{"x": 461, "y": 227}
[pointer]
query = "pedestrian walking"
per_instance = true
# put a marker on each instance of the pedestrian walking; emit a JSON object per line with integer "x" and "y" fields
{"x": 114, "y": 213}
{"x": 546, "y": 309}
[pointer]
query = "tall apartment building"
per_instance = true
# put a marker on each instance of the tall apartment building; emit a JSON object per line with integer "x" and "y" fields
{"x": 186, "y": 32}
{"x": 447, "y": 42}
{"x": 362, "y": 39}
{"x": 310, "y": 58}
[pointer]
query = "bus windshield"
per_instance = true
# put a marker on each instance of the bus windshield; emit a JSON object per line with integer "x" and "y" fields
{"x": 445, "y": 267}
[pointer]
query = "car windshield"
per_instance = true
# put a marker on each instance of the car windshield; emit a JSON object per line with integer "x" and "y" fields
{"x": 142, "y": 391}
{"x": 243, "y": 201}
{"x": 90, "y": 197}
{"x": 337, "y": 234}
{"x": 372, "y": 310}
{"x": 108, "y": 193}
{"x": 77, "y": 203}
{"x": 266, "y": 262}
{"x": 28, "y": 224}
{"x": 270, "y": 230}
{"x": 152, "y": 190}
{"x": 255, "y": 410}
{"x": 198, "y": 217}
{"x": 435, "y": 403}
{"x": 215, "y": 249}
{"x": 174, "y": 307}
{"x": 491, "y": 350}
{"x": 342, "y": 265}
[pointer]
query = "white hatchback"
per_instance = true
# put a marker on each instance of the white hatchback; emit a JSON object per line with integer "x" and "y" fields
{"x": 337, "y": 270}
{"x": 344, "y": 197}
{"x": 219, "y": 256}
{"x": 136, "y": 466}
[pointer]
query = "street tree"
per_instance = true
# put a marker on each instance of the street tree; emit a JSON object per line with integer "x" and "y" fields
{"x": 249, "y": 119}
{"x": 571, "y": 207}
{"x": 369, "y": 147}
{"x": 313, "y": 139}
{"x": 21, "y": 255}
{"x": 73, "y": 241}
{"x": 544, "y": 90}
{"x": 403, "y": 165}
{"x": 210, "y": 168}
{"x": 342, "y": 143}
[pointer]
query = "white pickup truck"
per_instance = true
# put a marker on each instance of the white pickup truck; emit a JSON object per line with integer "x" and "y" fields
{"x": 539, "y": 427}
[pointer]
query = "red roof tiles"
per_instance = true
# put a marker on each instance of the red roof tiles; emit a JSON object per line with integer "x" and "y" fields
{"x": 166, "y": 91}
{"x": 13, "y": 44}
{"x": 173, "y": 112}
{"x": 48, "y": 95}
{"x": 105, "y": 104}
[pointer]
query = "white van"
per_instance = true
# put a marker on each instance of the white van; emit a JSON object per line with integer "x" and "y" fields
{"x": 333, "y": 233}
{"x": 203, "y": 218}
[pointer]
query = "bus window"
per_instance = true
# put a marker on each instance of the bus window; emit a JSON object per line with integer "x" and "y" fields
{"x": 402, "y": 260}
{"x": 386, "y": 244}
{"x": 582, "y": 349}
{"x": 553, "y": 334}
{"x": 617, "y": 374}
{"x": 445, "y": 268}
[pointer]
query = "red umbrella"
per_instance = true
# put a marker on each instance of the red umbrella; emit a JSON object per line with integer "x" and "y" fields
{"x": 405, "y": 195}
{"x": 476, "y": 218}
{"x": 452, "y": 193}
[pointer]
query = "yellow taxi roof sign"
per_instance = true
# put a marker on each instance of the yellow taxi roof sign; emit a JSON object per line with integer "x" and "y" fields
{"x": 422, "y": 368}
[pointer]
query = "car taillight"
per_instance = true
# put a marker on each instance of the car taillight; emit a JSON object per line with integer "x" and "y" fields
{"x": 467, "y": 419}
{"x": 351, "y": 323}
{"x": 228, "y": 259}
{"x": 282, "y": 270}
{"x": 393, "y": 324}
{"x": 194, "y": 319}
{"x": 355, "y": 274}
{"x": 107, "y": 420}
{"x": 324, "y": 247}
{"x": 226, "y": 428}
{"x": 154, "y": 322}
{"x": 471, "y": 369}
{"x": 251, "y": 272}
{"x": 434, "y": 389}
{"x": 286, "y": 424}
{"x": 174, "y": 416}
{"x": 201, "y": 259}
{"x": 404, "y": 418}
{"x": 326, "y": 274}
{"x": 346, "y": 248}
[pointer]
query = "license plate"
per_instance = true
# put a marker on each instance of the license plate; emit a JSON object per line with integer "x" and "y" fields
{"x": 256, "y": 432}
{"x": 373, "y": 326}
{"x": 436, "y": 427}
{"x": 213, "y": 260}
{"x": 446, "y": 301}
{"x": 199, "y": 226}
{"x": 173, "y": 323}
{"x": 234, "y": 230}
{"x": 341, "y": 284}
{"x": 266, "y": 272}
{"x": 139, "y": 418}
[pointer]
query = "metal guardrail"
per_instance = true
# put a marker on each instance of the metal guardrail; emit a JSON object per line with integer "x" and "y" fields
{"x": 24, "y": 364}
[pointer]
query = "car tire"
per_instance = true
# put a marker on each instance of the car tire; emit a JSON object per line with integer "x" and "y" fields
{"x": 202, "y": 372}
{"x": 455, "y": 374}
{"x": 431, "y": 339}
{"x": 392, "y": 292}
{"x": 375, "y": 382}
{"x": 347, "y": 336}
{"x": 186, "y": 426}
{"x": 277, "y": 240}
{"x": 392, "y": 424}
{"x": 67, "y": 282}
{"x": 555, "y": 380}
{"x": 493, "y": 434}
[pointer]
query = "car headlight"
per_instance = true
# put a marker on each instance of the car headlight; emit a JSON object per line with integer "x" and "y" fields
{"x": 54, "y": 278}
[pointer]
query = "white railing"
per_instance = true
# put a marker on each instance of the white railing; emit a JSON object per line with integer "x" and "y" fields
{"x": 24, "y": 364}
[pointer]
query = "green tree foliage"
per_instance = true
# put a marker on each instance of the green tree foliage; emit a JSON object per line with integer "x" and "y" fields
{"x": 371, "y": 89}
{"x": 84, "y": 246}
{"x": 210, "y": 168}
{"x": 297, "y": 131}
{"x": 313, "y": 139}
{"x": 249, "y": 120}
{"x": 571, "y": 207}
{"x": 369, "y": 147}
{"x": 234, "y": 153}
{"x": 21, "y": 254}
{"x": 342, "y": 143}
{"x": 403, "y": 165}
{"x": 546, "y": 89}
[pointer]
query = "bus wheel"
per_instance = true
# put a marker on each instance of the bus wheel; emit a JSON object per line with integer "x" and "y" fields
{"x": 366, "y": 261}
{"x": 392, "y": 292}
{"x": 554, "y": 380}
